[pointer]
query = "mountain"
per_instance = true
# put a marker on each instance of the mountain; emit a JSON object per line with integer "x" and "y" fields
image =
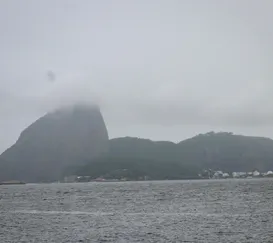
{"x": 167, "y": 160}
{"x": 74, "y": 140}
{"x": 211, "y": 150}
{"x": 58, "y": 140}
{"x": 228, "y": 152}
{"x": 142, "y": 148}
{"x": 136, "y": 158}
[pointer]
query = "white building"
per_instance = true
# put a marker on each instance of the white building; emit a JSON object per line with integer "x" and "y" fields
{"x": 269, "y": 173}
{"x": 256, "y": 173}
{"x": 218, "y": 174}
{"x": 239, "y": 174}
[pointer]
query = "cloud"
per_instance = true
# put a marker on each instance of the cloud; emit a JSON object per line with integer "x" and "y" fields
{"x": 167, "y": 64}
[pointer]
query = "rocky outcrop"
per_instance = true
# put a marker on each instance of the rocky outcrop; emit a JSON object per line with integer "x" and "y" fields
{"x": 61, "y": 139}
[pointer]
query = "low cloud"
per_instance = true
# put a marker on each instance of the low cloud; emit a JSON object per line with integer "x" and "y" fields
{"x": 175, "y": 64}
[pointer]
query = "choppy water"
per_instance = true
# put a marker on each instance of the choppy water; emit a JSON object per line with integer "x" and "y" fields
{"x": 167, "y": 211}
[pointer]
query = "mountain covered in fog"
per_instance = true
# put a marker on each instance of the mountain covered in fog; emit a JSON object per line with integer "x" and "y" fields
{"x": 59, "y": 139}
{"x": 74, "y": 140}
{"x": 167, "y": 160}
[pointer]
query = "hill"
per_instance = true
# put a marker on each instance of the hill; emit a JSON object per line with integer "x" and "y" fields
{"x": 59, "y": 139}
{"x": 228, "y": 152}
{"x": 74, "y": 140}
{"x": 135, "y": 157}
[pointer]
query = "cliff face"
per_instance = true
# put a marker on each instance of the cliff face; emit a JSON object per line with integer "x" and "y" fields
{"x": 66, "y": 137}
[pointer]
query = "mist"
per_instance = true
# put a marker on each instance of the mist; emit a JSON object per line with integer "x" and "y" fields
{"x": 161, "y": 70}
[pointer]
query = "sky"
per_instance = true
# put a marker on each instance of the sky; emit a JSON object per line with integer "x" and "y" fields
{"x": 158, "y": 69}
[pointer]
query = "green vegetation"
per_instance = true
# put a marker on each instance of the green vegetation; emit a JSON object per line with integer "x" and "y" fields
{"x": 135, "y": 158}
{"x": 136, "y": 169}
{"x": 228, "y": 152}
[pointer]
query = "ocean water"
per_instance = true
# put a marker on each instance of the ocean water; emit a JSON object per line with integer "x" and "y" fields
{"x": 159, "y": 211}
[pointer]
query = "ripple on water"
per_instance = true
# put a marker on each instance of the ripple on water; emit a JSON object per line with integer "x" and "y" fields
{"x": 172, "y": 211}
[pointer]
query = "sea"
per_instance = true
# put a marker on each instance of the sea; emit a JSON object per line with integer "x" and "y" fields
{"x": 238, "y": 210}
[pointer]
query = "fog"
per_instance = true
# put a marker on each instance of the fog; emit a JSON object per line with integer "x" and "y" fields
{"x": 164, "y": 70}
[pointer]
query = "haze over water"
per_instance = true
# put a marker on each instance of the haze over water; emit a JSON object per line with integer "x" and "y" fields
{"x": 165, "y": 211}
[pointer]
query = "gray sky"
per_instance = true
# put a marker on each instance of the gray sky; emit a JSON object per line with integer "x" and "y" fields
{"x": 159, "y": 69}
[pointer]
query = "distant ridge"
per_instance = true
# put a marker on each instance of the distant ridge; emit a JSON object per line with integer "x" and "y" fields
{"x": 136, "y": 158}
{"x": 221, "y": 150}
